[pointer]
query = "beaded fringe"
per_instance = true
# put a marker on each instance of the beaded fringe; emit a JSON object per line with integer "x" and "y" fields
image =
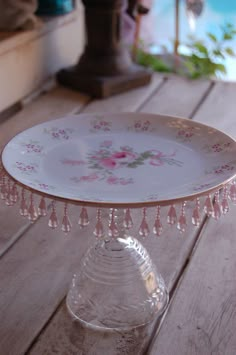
{"x": 213, "y": 205}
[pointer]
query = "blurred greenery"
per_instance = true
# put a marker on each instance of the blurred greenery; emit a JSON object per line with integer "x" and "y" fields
{"x": 204, "y": 60}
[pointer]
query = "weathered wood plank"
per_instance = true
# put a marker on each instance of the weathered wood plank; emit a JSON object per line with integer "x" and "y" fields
{"x": 219, "y": 108}
{"x": 202, "y": 316}
{"x": 169, "y": 252}
{"x": 52, "y": 105}
{"x": 39, "y": 290}
{"x": 178, "y": 97}
{"x": 130, "y": 101}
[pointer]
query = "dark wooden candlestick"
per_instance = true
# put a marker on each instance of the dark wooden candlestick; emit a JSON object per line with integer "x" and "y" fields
{"x": 105, "y": 68}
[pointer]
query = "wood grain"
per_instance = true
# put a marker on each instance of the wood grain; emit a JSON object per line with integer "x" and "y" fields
{"x": 42, "y": 276}
{"x": 178, "y": 97}
{"x": 202, "y": 316}
{"x": 169, "y": 253}
{"x": 53, "y": 105}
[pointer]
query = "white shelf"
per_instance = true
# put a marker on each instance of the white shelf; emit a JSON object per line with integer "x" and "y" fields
{"x": 28, "y": 59}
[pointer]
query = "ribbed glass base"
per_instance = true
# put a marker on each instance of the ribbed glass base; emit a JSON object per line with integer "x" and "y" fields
{"x": 117, "y": 286}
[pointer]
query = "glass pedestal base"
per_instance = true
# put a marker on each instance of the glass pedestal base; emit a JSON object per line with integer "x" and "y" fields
{"x": 117, "y": 286}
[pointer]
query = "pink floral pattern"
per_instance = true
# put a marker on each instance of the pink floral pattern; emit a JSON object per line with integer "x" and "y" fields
{"x": 33, "y": 147}
{"x": 100, "y": 125}
{"x": 185, "y": 134}
{"x": 222, "y": 169}
{"x": 218, "y": 147}
{"x": 141, "y": 126}
{"x": 107, "y": 162}
{"x": 59, "y": 133}
{"x": 26, "y": 169}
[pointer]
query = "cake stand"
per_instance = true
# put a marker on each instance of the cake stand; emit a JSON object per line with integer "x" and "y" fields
{"x": 116, "y": 163}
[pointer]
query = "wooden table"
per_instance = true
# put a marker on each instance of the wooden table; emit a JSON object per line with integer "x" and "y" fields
{"x": 199, "y": 267}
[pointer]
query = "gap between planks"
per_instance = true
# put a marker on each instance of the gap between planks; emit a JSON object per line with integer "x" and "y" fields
{"x": 153, "y": 105}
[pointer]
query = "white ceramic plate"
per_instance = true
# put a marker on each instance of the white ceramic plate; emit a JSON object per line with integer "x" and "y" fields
{"x": 121, "y": 159}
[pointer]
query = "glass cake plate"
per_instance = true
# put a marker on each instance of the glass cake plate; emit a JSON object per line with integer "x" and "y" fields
{"x": 121, "y": 159}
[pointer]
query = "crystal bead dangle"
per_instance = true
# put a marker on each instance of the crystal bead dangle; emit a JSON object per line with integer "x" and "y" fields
{"x": 113, "y": 230}
{"x": 224, "y": 202}
{"x": 23, "y": 204}
{"x": 232, "y": 192}
{"x": 42, "y": 208}
{"x": 53, "y": 221}
{"x": 66, "y": 223}
{"x": 83, "y": 218}
{"x": 32, "y": 212}
{"x": 144, "y": 229}
{"x": 3, "y": 188}
{"x": 172, "y": 216}
{"x": 196, "y": 219}
{"x": 208, "y": 206}
{"x": 14, "y": 193}
{"x": 216, "y": 207}
{"x": 182, "y": 223}
{"x": 157, "y": 228}
{"x": 99, "y": 230}
{"x": 128, "y": 223}
{"x": 8, "y": 200}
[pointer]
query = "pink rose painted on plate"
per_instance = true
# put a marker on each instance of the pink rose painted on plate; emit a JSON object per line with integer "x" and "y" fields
{"x": 107, "y": 162}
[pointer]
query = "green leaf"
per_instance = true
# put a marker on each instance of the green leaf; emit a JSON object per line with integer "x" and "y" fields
{"x": 218, "y": 53}
{"x": 212, "y": 37}
{"x": 221, "y": 68}
{"x": 230, "y": 51}
{"x": 227, "y": 36}
{"x": 200, "y": 48}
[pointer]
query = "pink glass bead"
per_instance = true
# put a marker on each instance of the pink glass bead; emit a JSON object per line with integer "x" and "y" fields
{"x": 172, "y": 217}
{"x": 32, "y": 212}
{"x": 208, "y": 206}
{"x": 83, "y": 218}
{"x": 113, "y": 230}
{"x": 232, "y": 192}
{"x": 66, "y": 224}
{"x": 23, "y": 205}
{"x": 53, "y": 221}
{"x": 3, "y": 191}
{"x": 14, "y": 194}
{"x": 144, "y": 228}
{"x": 42, "y": 208}
{"x": 216, "y": 207}
{"x": 182, "y": 223}
{"x": 196, "y": 219}
{"x": 128, "y": 223}
{"x": 157, "y": 228}
{"x": 224, "y": 202}
{"x": 224, "y": 206}
{"x": 99, "y": 230}
{"x": 8, "y": 200}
